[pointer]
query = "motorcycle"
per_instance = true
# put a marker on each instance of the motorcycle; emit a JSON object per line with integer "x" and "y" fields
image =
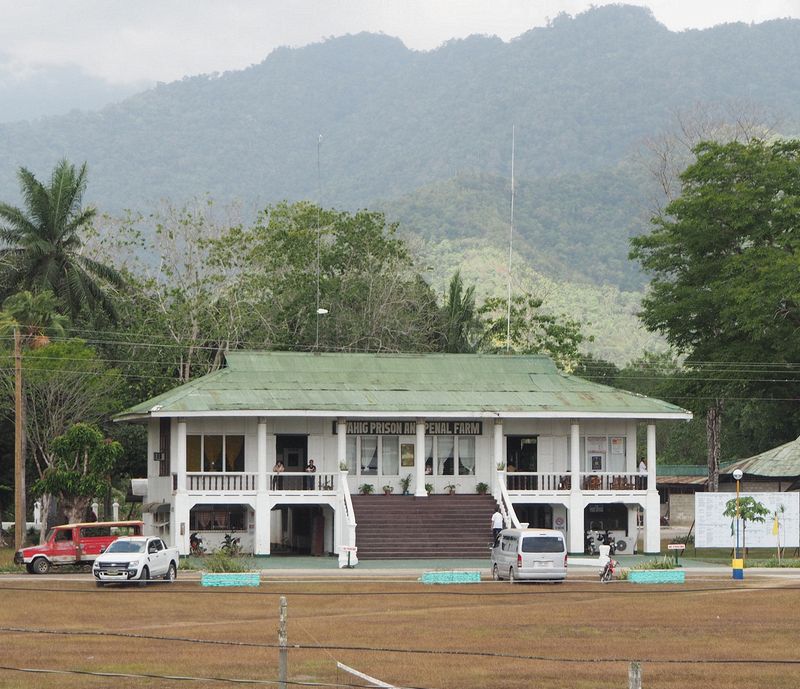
{"x": 608, "y": 569}
{"x": 196, "y": 546}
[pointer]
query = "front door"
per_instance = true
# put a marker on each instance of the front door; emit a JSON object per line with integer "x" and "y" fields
{"x": 292, "y": 450}
{"x": 521, "y": 453}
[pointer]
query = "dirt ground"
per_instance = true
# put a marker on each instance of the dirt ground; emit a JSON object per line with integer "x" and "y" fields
{"x": 577, "y": 634}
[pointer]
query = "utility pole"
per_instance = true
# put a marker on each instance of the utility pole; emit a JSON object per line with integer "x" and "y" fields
{"x": 20, "y": 507}
{"x": 283, "y": 652}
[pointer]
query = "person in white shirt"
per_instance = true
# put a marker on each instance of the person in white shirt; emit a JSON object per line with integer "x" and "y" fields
{"x": 497, "y": 525}
{"x": 642, "y": 474}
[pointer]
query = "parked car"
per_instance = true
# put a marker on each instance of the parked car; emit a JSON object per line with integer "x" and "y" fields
{"x": 136, "y": 558}
{"x": 530, "y": 554}
{"x": 74, "y": 544}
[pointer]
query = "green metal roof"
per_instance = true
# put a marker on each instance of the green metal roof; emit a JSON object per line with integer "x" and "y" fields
{"x": 782, "y": 461}
{"x": 397, "y": 383}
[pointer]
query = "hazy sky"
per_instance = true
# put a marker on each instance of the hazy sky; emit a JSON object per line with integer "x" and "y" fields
{"x": 124, "y": 41}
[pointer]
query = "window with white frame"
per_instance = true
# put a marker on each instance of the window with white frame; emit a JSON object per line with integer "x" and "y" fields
{"x": 369, "y": 455}
{"x": 390, "y": 455}
{"x": 466, "y": 456}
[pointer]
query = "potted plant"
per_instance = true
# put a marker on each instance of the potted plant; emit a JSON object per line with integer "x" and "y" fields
{"x": 429, "y": 488}
{"x": 450, "y": 488}
{"x": 482, "y": 488}
{"x": 501, "y": 466}
{"x": 388, "y": 490}
{"x": 366, "y": 489}
{"x": 405, "y": 483}
{"x": 343, "y": 467}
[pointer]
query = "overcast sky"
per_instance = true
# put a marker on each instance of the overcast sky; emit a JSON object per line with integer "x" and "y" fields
{"x": 130, "y": 41}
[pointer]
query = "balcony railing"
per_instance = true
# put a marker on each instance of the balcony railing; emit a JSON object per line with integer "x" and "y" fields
{"x": 299, "y": 481}
{"x": 214, "y": 482}
{"x": 531, "y": 481}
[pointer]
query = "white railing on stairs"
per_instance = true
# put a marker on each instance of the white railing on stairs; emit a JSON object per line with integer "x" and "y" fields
{"x": 347, "y": 524}
{"x": 506, "y": 506}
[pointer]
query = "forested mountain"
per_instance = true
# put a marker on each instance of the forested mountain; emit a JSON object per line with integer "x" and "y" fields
{"x": 581, "y": 92}
{"x": 427, "y": 135}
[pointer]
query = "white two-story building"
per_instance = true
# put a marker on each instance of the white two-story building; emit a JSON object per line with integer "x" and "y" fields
{"x": 553, "y": 450}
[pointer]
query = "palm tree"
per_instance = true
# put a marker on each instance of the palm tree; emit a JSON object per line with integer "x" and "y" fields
{"x": 43, "y": 243}
{"x": 30, "y": 318}
{"x": 461, "y": 323}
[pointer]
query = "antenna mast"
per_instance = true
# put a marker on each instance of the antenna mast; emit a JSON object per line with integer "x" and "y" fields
{"x": 510, "y": 243}
{"x": 319, "y": 203}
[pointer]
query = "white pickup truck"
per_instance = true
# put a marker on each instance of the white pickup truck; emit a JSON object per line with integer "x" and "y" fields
{"x": 136, "y": 558}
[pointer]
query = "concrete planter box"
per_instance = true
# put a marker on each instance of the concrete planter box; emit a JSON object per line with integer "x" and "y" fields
{"x": 657, "y": 576}
{"x": 230, "y": 579}
{"x": 450, "y": 577}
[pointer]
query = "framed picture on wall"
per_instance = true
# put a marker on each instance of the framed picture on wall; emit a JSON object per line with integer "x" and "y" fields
{"x": 597, "y": 462}
{"x": 407, "y": 454}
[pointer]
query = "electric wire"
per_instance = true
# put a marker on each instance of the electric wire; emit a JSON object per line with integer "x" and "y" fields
{"x": 408, "y": 651}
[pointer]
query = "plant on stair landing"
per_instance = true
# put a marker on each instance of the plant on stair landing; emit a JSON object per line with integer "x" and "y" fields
{"x": 429, "y": 488}
{"x": 366, "y": 489}
{"x": 388, "y": 490}
{"x": 482, "y": 488}
{"x": 450, "y": 488}
{"x": 405, "y": 483}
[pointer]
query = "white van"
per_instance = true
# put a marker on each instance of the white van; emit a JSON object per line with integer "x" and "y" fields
{"x": 529, "y": 554}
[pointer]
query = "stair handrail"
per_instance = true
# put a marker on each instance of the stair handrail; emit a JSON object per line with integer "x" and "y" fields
{"x": 506, "y": 506}
{"x": 348, "y": 535}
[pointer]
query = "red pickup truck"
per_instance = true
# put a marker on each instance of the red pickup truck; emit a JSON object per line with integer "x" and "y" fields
{"x": 74, "y": 544}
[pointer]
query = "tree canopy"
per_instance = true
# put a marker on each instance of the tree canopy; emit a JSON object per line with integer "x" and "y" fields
{"x": 44, "y": 245}
{"x": 724, "y": 257}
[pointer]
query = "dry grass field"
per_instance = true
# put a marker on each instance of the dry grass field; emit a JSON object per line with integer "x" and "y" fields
{"x": 579, "y": 634}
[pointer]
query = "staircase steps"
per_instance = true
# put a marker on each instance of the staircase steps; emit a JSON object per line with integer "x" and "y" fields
{"x": 395, "y": 527}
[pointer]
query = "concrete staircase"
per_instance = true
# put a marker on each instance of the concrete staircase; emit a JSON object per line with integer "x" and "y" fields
{"x": 394, "y": 527}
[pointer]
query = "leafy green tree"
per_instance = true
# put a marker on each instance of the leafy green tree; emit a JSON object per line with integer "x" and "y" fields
{"x": 83, "y": 463}
{"x": 461, "y": 324}
{"x": 724, "y": 258}
{"x": 748, "y": 510}
{"x": 44, "y": 249}
{"x": 29, "y": 319}
{"x": 298, "y": 256}
{"x": 532, "y": 330}
{"x": 65, "y": 383}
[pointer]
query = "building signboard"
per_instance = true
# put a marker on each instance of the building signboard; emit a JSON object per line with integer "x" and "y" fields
{"x": 406, "y": 427}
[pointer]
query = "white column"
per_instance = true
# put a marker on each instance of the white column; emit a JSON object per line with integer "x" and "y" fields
{"x": 651, "y": 457}
{"x": 497, "y": 451}
{"x": 341, "y": 442}
{"x": 652, "y": 509}
{"x": 262, "y": 513}
{"x": 261, "y": 455}
{"x": 419, "y": 461}
{"x": 576, "y": 506}
{"x": 575, "y": 455}
{"x": 179, "y": 523}
{"x": 180, "y": 456}
{"x": 633, "y": 526}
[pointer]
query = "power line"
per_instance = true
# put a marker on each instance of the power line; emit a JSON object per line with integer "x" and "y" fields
{"x": 414, "y": 651}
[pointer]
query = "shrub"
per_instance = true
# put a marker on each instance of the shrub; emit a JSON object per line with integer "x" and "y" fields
{"x": 665, "y": 562}
{"x": 773, "y": 562}
{"x": 366, "y": 489}
{"x": 220, "y": 562}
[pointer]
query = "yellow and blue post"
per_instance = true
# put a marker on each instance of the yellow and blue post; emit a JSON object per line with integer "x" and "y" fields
{"x": 738, "y": 563}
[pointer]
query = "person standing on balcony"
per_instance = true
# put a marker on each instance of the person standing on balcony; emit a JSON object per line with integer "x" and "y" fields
{"x": 642, "y": 478}
{"x": 310, "y": 469}
{"x": 277, "y": 479}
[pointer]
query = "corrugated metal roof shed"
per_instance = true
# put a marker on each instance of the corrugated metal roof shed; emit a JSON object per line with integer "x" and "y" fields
{"x": 398, "y": 383}
{"x": 780, "y": 462}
